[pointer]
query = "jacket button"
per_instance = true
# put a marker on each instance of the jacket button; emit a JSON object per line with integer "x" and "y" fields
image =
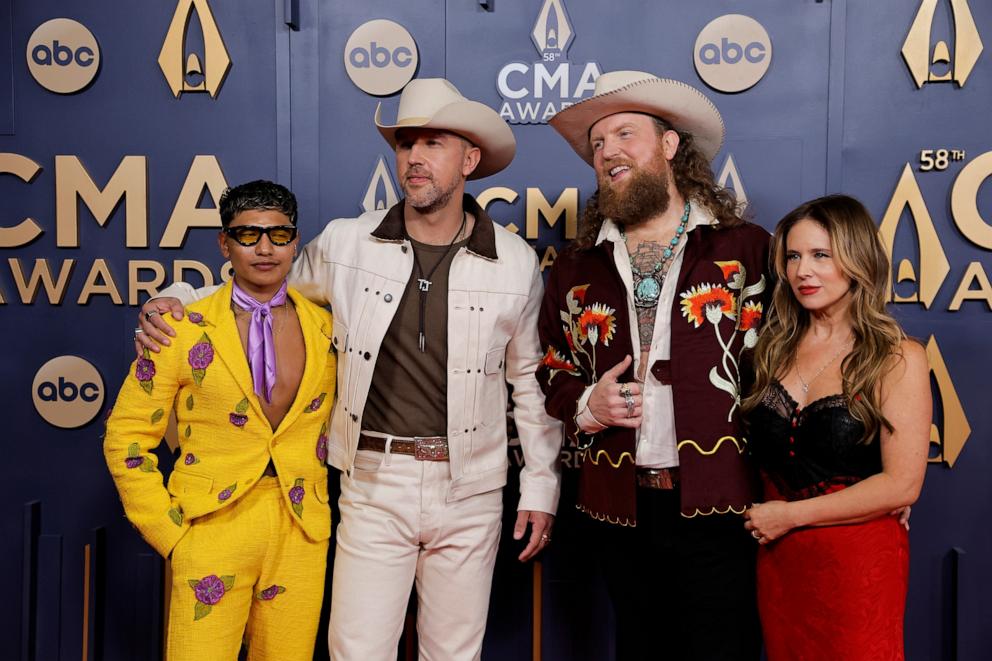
{"x": 388, "y": 298}
{"x": 367, "y": 355}
{"x": 354, "y": 417}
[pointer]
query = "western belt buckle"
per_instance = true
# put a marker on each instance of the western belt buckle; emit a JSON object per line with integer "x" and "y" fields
{"x": 430, "y": 448}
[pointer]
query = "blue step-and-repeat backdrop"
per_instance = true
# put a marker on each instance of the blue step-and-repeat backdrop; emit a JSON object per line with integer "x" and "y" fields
{"x": 122, "y": 122}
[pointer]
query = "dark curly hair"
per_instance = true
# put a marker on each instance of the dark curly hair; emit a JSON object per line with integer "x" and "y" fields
{"x": 694, "y": 180}
{"x": 255, "y": 196}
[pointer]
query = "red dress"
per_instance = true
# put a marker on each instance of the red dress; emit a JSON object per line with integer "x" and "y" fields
{"x": 829, "y": 593}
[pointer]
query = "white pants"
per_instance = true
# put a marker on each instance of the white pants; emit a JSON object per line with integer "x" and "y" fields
{"x": 396, "y": 527}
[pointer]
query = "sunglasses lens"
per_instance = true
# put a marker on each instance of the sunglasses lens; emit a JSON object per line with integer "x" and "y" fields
{"x": 281, "y": 235}
{"x": 246, "y": 236}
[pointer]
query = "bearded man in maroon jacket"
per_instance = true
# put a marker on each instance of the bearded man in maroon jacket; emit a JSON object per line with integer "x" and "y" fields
{"x": 644, "y": 321}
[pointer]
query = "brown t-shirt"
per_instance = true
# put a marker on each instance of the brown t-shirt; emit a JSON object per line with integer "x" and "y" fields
{"x": 409, "y": 391}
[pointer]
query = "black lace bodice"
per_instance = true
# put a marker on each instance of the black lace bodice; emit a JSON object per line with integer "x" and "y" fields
{"x": 806, "y": 451}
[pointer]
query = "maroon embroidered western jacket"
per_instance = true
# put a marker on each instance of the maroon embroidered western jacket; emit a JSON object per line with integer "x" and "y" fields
{"x": 584, "y": 328}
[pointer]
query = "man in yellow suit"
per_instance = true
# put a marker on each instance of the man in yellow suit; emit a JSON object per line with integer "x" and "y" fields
{"x": 244, "y": 519}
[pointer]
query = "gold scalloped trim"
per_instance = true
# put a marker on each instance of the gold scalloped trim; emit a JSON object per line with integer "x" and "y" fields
{"x": 741, "y": 445}
{"x": 615, "y": 464}
{"x": 714, "y": 510}
{"x": 607, "y": 518}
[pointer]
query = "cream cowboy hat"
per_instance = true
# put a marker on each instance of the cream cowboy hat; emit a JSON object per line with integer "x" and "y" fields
{"x": 681, "y": 105}
{"x": 435, "y": 103}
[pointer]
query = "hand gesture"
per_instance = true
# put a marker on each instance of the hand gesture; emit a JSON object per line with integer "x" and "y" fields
{"x": 616, "y": 404}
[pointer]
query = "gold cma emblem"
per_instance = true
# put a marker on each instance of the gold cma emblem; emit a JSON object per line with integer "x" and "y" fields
{"x": 552, "y": 31}
{"x": 181, "y": 67}
{"x": 967, "y": 46}
{"x": 730, "y": 177}
{"x": 934, "y": 266}
{"x": 381, "y": 192}
{"x": 954, "y": 429}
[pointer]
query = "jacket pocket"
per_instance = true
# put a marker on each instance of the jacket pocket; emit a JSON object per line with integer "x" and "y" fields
{"x": 492, "y": 408}
{"x": 494, "y": 360}
{"x": 182, "y": 483}
{"x": 339, "y": 337}
{"x": 320, "y": 491}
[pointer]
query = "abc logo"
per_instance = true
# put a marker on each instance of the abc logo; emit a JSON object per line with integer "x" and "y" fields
{"x": 68, "y": 392}
{"x": 732, "y": 53}
{"x": 63, "y": 55}
{"x": 380, "y": 57}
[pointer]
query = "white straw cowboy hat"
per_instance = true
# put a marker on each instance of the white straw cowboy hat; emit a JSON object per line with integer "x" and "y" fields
{"x": 435, "y": 103}
{"x": 681, "y": 105}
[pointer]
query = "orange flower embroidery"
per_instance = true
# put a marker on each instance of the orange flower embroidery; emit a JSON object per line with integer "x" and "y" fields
{"x": 731, "y": 271}
{"x": 597, "y": 323}
{"x": 556, "y": 361}
{"x": 707, "y": 302}
{"x": 570, "y": 340}
{"x": 751, "y": 315}
{"x": 579, "y": 293}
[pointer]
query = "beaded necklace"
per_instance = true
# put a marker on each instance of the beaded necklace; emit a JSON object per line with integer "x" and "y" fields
{"x": 648, "y": 283}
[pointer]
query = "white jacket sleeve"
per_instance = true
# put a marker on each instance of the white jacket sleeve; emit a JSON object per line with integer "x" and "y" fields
{"x": 185, "y": 292}
{"x": 310, "y": 274}
{"x": 541, "y": 435}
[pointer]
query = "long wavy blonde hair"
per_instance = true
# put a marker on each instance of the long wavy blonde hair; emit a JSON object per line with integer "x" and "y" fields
{"x": 877, "y": 336}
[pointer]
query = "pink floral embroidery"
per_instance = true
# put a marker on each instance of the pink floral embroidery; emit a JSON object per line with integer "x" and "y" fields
{"x": 270, "y": 593}
{"x": 208, "y": 591}
{"x": 322, "y": 444}
{"x": 296, "y": 494}
{"x": 227, "y": 493}
{"x": 200, "y": 356}
{"x": 316, "y": 403}
{"x": 238, "y": 418}
{"x": 144, "y": 371}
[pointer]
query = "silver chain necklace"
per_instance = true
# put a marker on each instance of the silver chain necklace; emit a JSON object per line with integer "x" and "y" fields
{"x": 806, "y": 384}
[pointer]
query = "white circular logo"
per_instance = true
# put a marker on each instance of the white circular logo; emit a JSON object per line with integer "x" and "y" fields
{"x": 63, "y": 55}
{"x": 68, "y": 392}
{"x": 732, "y": 53}
{"x": 380, "y": 57}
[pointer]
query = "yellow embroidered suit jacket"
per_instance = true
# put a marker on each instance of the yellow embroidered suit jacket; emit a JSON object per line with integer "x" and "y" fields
{"x": 225, "y": 439}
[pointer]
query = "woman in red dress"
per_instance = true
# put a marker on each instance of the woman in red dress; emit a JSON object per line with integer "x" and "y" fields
{"x": 839, "y": 425}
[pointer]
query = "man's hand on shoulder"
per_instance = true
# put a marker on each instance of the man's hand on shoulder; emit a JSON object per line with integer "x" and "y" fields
{"x": 153, "y": 330}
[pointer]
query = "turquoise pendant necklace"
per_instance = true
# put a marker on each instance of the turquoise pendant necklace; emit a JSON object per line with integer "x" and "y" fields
{"x": 647, "y": 284}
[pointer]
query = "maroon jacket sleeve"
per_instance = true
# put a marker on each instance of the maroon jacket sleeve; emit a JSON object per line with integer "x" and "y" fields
{"x": 560, "y": 374}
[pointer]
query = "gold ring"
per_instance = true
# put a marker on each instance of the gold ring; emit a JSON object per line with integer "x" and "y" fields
{"x": 625, "y": 390}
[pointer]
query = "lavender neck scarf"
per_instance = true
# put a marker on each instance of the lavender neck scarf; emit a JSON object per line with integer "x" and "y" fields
{"x": 261, "y": 345}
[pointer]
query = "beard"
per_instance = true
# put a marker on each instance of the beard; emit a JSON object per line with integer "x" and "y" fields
{"x": 643, "y": 196}
{"x": 430, "y": 198}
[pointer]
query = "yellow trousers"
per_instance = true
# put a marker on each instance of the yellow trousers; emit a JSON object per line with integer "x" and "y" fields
{"x": 246, "y": 572}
